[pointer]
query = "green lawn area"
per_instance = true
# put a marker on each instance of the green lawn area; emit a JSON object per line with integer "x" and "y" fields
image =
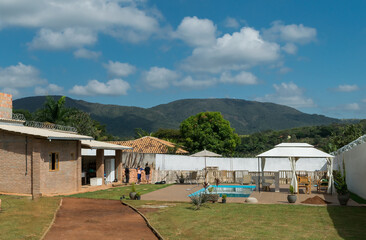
{"x": 242, "y": 221}
{"x": 22, "y": 218}
{"x": 357, "y": 198}
{"x": 117, "y": 192}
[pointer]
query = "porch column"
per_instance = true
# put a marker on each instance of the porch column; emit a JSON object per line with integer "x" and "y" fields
{"x": 100, "y": 164}
{"x": 119, "y": 169}
{"x": 79, "y": 167}
{"x": 36, "y": 169}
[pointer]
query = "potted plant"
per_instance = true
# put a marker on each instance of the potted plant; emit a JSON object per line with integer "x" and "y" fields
{"x": 180, "y": 178}
{"x": 133, "y": 192}
{"x": 224, "y": 196}
{"x": 341, "y": 186}
{"x": 291, "y": 198}
{"x": 208, "y": 193}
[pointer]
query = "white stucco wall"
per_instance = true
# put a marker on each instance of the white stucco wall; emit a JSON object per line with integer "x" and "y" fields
{"x": 178, "y": 162}
{"x": 355, "y": 162}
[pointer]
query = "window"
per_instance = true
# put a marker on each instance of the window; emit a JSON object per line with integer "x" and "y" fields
{"x": 53, "y": 160}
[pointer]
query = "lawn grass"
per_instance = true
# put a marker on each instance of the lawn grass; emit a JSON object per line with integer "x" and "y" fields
{"x": 357, "y": 198}
{"x": 261, "y": 221}
{"x": 23, "y": 218}
{"x": 117, "y": 192}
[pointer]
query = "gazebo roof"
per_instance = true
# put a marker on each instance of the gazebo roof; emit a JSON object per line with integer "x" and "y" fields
{"x": 298, "y": 150}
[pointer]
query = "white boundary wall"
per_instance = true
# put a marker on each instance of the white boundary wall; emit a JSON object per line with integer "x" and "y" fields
{"x": 355, "y": 162}
{"x": 179, "y": 162}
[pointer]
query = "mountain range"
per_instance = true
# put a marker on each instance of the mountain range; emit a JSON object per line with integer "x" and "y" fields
{"x": 245, "y": 116}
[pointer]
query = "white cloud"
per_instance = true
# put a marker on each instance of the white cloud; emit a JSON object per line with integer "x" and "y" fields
{"x": 288, "y": 94}
{"x": 48, "y": 90}
{"x": 244, "y": 78}
{"x": 347, "y": 88}
{"x": 87, "y": 54}
{"x": 119, "y": 69}
{"x": 290, "y": 33}
{"x": 189, "y": 82}
{"x": 106, "y": 16}
{"x": 113, "y": 87}
{"x": 14, "y": 92}
{"x": 284, "y": 70}
{"x": 351, "y": 107}
{"x": 67, "y": 38}
{"x": 364, "y": 100}
{"x": 231, "y": 23}
{"x": 233, "y": 52}
{"x": 20, "y": 76}
{"x": 290, "y": 48}
{"x": 196, "y": 32}
{"x": 159, "y": 78}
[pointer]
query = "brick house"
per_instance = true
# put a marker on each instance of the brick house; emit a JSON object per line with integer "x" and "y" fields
{"x": 41, "y": 161}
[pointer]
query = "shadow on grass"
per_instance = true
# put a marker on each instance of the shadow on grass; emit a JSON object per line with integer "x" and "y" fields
{"x": 349, "y": 221}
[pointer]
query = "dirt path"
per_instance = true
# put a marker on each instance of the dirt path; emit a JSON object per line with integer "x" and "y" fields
{"x": 97, "y": 219}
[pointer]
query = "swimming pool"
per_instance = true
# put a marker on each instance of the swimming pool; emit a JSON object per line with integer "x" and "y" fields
{"x": 229, "y": 190}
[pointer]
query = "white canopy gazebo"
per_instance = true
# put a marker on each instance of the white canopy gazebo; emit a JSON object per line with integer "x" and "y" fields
{"x": 295, "y": 151}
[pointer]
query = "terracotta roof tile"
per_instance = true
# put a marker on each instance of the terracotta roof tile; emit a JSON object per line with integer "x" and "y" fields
{"x": 149, "y": 144}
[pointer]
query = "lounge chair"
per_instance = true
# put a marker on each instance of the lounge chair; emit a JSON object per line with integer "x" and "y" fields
{"x": 304, "y": 182}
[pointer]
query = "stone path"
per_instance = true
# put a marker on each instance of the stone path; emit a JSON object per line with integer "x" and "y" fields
{"x": 97, "y": 219}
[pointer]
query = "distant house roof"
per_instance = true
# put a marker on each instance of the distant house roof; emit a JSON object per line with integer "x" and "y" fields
{"x": 149, "y": 144}
{"x": 92, "y": 144}
{"x": 43, "y": 133}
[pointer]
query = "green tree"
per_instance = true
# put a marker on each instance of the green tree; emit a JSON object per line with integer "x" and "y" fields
{"x": 53, "y": 111}
{"x": 344, "y": 136}
{"x": 139, "y": 133}
{"x": 208, "y": 130}
{"x": 171, "y": 135}
{"x": 27, "y": 115}
{"x": 56, "y": 112}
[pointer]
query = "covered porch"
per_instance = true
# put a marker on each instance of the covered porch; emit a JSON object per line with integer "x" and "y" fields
{"x": 101, "y": 163}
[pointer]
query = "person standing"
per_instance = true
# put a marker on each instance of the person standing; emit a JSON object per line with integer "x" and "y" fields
{"x": 127, "y": 174}
{"x": 147, "y": 173}
{"x": 139, "y": 171}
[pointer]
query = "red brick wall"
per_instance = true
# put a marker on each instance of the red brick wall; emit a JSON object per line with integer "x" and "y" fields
{"x": 13, "y": 165}
{"x": 6, "y": 106}
{"x": 66, "y": 179}
{"x": 13, "y": 176}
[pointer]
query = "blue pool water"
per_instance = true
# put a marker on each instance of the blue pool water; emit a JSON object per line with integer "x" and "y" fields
{"x": 229, "y": 190}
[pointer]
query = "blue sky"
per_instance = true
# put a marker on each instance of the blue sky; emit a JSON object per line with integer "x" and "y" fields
{"x": 310, "y": 55}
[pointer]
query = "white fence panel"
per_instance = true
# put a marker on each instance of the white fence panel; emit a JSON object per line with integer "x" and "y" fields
{"x": 179, "y": 162}
{"x": 355, "y": 162}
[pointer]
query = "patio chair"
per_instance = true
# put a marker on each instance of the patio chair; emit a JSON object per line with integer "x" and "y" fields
{"x": 304, "y": 182}
{"x": 247, "y": 179}
{"x": 322, "y": 184}
{"x": 193, "y": 177}
{"x": 267, "y": 182}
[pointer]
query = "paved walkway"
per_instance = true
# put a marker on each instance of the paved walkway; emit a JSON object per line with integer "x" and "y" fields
{"x": 180, "y": 192}
{"x": 97, "y": 219}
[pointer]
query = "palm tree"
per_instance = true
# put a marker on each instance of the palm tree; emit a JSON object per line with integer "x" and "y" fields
{"x": 53, "y": 111}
